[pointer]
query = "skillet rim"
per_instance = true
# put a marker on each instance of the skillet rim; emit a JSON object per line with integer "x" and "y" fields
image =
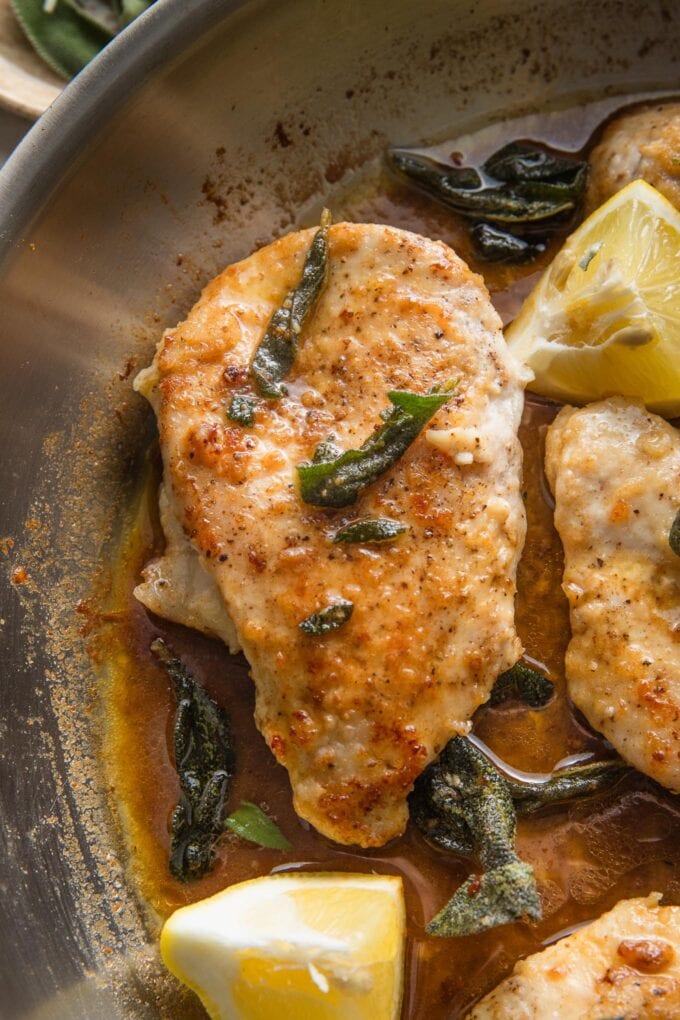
{"x": 68, "y": 128}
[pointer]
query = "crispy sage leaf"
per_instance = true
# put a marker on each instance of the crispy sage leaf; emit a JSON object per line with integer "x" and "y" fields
{"x": 521, "y": 683}
{"x": 250, "y": 822}
{"x": 329, "y": 618}
{"x": 242, "y": 409}
{"x": 565, "y": 785}
{"x": 520, "y": 200}
{"x": 437, "y": 809}
{"x": 338, "y": 481}
{"x": 371, "y": 529}
{"x": 275, "y": 353}
{"x": 499, "y": 896}
{"x": 204, "y": 760}
{"x": 495, "y": 245}
{"x": 674, "y": 535}
{"x": 525, "y": 161}
{"x": 506, "y": 891}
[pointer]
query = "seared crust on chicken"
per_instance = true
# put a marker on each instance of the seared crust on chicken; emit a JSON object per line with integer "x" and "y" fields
{"x": 356, "y": 714}
{"x": 614, "y": 469}
{"x": 625, "y": 964}
{"x": 643, "y": 143}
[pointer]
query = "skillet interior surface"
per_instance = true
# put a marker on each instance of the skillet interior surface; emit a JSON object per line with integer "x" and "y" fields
{"x": 202, "y": 133}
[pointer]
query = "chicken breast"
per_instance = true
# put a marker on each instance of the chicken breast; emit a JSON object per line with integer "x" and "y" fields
{"x": 177, "y": 587}
{"x": 614, "y": 469}
{"x": 643, "y": 143}
{"x": 626, "y": 964}
{"x": 357, "y": 713}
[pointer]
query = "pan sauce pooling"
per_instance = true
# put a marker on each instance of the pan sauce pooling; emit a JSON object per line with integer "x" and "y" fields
{"x": 585, "y": 858}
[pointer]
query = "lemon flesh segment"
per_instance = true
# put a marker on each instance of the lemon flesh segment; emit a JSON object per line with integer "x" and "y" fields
{"x": 604, "y": 319}
{"x": 293, "y": 947}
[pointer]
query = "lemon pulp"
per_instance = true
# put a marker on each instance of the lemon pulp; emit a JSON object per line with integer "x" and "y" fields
{"x": 604, "y": 319}
{"x": 293, "y": 947}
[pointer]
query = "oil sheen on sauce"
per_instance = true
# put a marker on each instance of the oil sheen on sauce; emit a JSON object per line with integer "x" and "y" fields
{"x": 586, "y": 856}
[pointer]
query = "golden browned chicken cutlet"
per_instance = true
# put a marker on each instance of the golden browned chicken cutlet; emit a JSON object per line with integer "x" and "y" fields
{"x": 625, "y": 964}
{"x": 642, "y": 143}
{"x": 614, "y": 469}
{"x": 402, "y": 639}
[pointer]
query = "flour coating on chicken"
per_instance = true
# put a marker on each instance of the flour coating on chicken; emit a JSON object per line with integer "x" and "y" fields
{"x": 643, "y": 143}
{"x": 626, "y": 964}
{"x": 614, "y": 469}
{"x": 356, "y": 714}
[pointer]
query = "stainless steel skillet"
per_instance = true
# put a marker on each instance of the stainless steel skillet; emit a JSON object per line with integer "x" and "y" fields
{"x": 204, "y": 131}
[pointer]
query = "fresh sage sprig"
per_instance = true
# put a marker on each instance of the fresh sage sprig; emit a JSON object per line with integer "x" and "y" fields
{"x": 275, "y": 353}
{"x": 328, "y": 619}
{"x": 67, "y": 34}
{"x": 336, "y": 479}
{"x": 479, "y": 798}
{"x": 523, "y": 189}
{"x": 251, "y": 823}
{"x": 674, "y": 534}
{"x": 204, "y": 760}
{"x": 371, "y": 529}
{"x": 521, "y": 683}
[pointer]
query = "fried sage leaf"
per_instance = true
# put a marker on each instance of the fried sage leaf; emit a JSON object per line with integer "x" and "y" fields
{"x": 565, "y": 785}
{"x": 372, "y": 529}
{"x": 275, "y": 353}
{"x": 524, "y": 161}
{"x": 506, "y": 891}
{"x": 329, "y": 618}
{"x": 521, "y": 683}
{"x": 674, "y": 536}
{"x": 520, "y": 184}
{"x": 204, "y": 760}
{"x": 338, "y": 481}
{"x": 437, "y": 810}
{"x": 499, "y": 896}
{"x": 495, "y": 245}
{"x": 242, "y": 409}
{"x": 250, "y": 822}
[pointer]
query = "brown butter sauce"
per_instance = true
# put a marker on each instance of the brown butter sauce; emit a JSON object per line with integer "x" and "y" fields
{"x": 586, "y": 857}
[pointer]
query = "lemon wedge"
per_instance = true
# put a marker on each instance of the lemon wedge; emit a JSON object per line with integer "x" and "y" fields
{"x": 293, "y": 947}
{"x": 604, "y": 318}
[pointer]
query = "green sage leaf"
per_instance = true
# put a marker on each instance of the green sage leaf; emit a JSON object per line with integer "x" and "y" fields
{"x": 479, "y": 796}
{"x": 521, "y": 683}
{"x": 66, "y": 39}
{"x": 250, "y": 822}
{"x": 131, "y": 9}
{"x": 242, "y": 409}
{"x": 492, "y": 244}
{"x": 525, "y": 161}
{"x": 204, "y": 760}
{"x": 565, "y": 785}
{"x": 338, "y": 481}
{"x": 523, "y": 189}
{"x": 498, "y": 896}
{"x": 328, "y": 619}
{"x": 275, "y": 354}
{"x": 674, "y": 534}
{"x": 372, "y": 529}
